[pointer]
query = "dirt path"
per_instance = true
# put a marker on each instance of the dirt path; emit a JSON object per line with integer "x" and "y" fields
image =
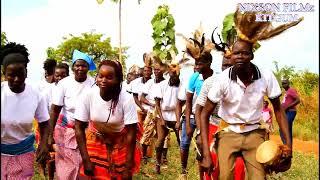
{"x": 300, "y": 145}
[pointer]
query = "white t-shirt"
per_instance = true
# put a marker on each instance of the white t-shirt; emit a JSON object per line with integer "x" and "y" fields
{"x": 202, "y": 98}
{"x": 240, "y": 104}
{"x": 92, "y": 107}
{"x": 127, "y": 87}
{"x": 68, "y": 92}
{"x": 18, "y": 111}
{"x": 137, "y": 86}
{"x": 150, "y": 88}
{"x": 169, "y": 98}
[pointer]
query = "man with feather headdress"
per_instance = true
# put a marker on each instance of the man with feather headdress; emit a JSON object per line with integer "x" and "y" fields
{"x": 199, "y": 49}
{"x": 229, "y": 36}
{"x": 241, "y": 89}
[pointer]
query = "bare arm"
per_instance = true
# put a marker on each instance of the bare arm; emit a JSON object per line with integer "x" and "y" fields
{"x": 81, "y": 139}
{"x": 281, "y": 119}
{"x": 158, "y": 109}
{"x": 131, "y": 144}
{"x": 189, "y": 97}
{"x": 178, "y": 110}
{"x": 54, "y": 114}
{"x": 198, "y": 115}
{"x": 43, "y": 151}
{"x": 136, "y": 100}
{"x": 145, "y": 101}
{"x": 204, "y": 125}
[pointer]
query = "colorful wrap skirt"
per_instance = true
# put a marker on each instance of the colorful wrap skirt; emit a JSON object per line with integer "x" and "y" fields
{"x": 110, "y": 159}
{"x": 149, "y": 129}
{"x": 67, "y": 156}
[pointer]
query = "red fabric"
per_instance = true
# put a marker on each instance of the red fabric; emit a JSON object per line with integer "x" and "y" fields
{"x": 239, "y": 170}
{"x": 290, "y": 96}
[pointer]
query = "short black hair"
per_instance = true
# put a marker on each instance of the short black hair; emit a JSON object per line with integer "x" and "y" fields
{"x": 14, "y": 53}
{"x": 205, "y": 57}
{"x": 49, "y": 66}
{"x": 63, "y": 66}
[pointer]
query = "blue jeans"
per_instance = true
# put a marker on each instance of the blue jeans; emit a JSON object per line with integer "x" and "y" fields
{"x": 185, "y": 140}
{"x": 290, "y": 117}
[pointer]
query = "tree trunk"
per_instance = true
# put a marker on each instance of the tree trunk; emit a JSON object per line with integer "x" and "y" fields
{"x": 120, "y": 49}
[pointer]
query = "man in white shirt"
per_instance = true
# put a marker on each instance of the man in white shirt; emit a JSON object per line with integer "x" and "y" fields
{"x": 240, "y": 90}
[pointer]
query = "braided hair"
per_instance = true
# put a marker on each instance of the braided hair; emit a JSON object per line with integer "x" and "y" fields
{"x": 119, "y": 75}
{"x": 13, "y": 53}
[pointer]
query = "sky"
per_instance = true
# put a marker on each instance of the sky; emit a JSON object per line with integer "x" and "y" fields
{"x": 40, "y": 24}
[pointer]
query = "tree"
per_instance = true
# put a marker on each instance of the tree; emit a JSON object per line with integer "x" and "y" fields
{"x": 163, "y": 34}
{"x": 90, "y": 43}
{"x": 4, "y": 39}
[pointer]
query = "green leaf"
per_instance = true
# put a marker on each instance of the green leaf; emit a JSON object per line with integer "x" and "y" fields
{"x": 228, "y": 25}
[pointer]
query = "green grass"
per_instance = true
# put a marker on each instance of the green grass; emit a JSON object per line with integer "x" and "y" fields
{"x": 304, "y": 166}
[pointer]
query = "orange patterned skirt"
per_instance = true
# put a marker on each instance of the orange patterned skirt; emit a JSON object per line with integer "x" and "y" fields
{"x": 109, "y": 160}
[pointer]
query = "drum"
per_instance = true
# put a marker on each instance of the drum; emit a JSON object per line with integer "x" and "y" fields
{"x": 268, "y": 153}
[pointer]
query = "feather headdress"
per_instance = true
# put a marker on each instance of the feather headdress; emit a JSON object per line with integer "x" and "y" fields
{"x": 134, "y": 69}
{"x": 250, "y": 30}
{"x": 197, "y": 45}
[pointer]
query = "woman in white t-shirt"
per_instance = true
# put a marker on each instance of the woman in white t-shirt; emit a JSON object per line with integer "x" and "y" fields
{"x": 108, "y": 149}
{"x": 64, "y": 100}
{"x": 20, "y": 104}
{"x": 166, "y": 99}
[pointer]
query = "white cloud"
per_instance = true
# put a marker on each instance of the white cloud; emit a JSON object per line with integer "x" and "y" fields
{"x": 44, "y": 27}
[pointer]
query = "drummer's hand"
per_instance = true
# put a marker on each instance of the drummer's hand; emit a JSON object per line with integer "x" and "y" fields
{"x": 286, "y": 151}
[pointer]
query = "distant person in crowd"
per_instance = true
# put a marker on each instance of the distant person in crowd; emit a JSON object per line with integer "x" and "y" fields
{"x": 148, "y": 103}
{"x": 203, "y": 59}
{"x": 108, "y": 148}
{"x": 20, "y": 104}
{"x": 140, "y": 72}
{"x": 267, "y": 116}
{"x": 137, "y": 88}
{"x": 289, "y": 104}
{"x": 64, "y": 101}
{"x": 166, "y": 97}
{"x": 49, "y": 66}
{"x": 61, "y": 71}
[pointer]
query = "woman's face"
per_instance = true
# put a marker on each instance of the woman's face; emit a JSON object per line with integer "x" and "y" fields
{"x": 106, "y": 79}
{"x": 15, "y": 75}
{"x": 59, "y": 74}
{"x": 80, "y": 68}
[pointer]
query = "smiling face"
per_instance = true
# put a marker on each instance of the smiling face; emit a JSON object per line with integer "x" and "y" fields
{"x": 59, "y": 74}
{"x": 107, "y": 79}
{"x": 242, "y": 54}
{"x": 80, "y": 68}
{"x": 16, "y": 74}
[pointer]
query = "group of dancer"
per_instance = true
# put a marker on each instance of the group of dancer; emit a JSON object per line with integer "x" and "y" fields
{"x": 102, "y": 127}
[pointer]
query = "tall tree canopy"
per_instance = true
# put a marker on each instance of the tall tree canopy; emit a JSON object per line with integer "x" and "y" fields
{"x": 90, "y": 43}
{"x": 164, "y": 34}
{"x": 4, "y": 39}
